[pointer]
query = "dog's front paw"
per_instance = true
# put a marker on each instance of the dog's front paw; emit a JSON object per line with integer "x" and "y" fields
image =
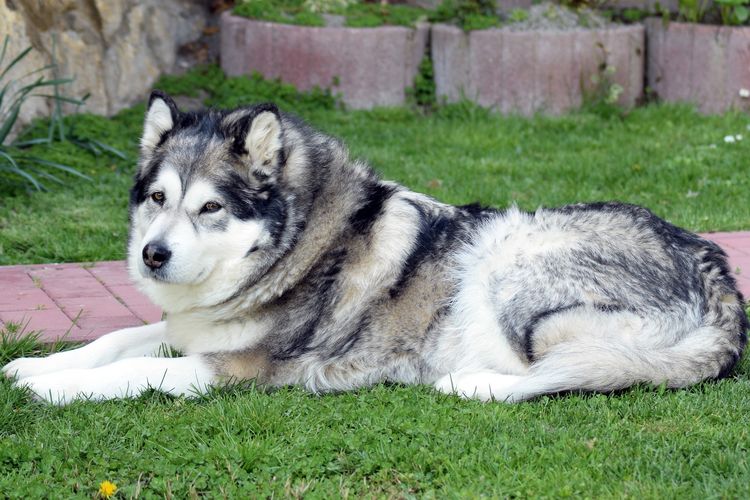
{"x": 56, "y": 388}
{"x": 29, "y": 367}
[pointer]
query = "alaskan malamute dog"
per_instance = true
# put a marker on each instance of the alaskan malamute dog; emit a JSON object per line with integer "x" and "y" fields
{"x": 277, "y": 258}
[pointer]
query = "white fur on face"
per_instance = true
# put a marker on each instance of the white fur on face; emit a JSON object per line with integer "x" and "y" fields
{"x": 158, "y": 120}
{"x": 205, "y": 247}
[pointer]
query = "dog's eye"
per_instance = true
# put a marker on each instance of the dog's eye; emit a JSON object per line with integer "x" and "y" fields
{"x": 211, "y": 206}
{"x": 158, "y": 197}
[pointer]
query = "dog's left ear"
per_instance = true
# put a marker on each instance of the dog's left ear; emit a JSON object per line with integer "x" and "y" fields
{"x": 161, "y": 116}
{"x": 264, "y": 140}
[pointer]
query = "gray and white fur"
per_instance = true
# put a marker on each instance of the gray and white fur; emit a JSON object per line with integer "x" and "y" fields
{"x": 278, "y": 258}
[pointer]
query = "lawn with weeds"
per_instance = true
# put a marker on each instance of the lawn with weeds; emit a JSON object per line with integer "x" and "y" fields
{"x": 394, "y": 441}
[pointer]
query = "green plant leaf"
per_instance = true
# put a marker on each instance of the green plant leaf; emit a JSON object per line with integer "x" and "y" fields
{"x": 742, "y": 13}
{"x": 60, "y": 98}
{"x": 46, "y": 175}
{"x": 15, "y": 61}
{"x": 6, "y": 41}
{"x": 109, "y": 149}
{"x": 9, "y": 122}
{"x": 59, "y": 166}
{"x": 19, "y": 171}
{"x": 30, "y": 142}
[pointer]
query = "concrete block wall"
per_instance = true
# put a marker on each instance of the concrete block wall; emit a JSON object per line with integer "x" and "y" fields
{"x": 701, "y": 64}
{"x": 526, "y": 72}
{"x": 372, "y": 67}
{"x": 523, "y": 72}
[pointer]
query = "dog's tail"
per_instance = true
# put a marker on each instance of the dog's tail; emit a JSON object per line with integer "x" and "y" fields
{"x": 604, "y": 365}
{"x": 610, "y": 357}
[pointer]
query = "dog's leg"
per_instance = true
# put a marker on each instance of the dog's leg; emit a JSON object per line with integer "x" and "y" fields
{"x": 184, "y": 376}
{"x": 126, "y": 343}
{"x": 485, "y": 386}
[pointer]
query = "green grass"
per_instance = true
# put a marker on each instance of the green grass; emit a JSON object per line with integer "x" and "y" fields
{"x": 387, "y": 441}
{"x": 358, "y": 15}
{"x": 392, "y": 441}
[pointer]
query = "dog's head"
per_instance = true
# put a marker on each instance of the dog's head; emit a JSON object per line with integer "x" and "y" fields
{"x": 206, "y": 200}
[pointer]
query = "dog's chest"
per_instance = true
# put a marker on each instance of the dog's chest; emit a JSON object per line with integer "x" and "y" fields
{"x": 192, "y": 333}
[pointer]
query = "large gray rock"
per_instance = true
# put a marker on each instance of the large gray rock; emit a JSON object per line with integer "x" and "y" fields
{"x": 367, "y": 66}
{"x": 114, "y": 49}
{"x": 526, "y": 72}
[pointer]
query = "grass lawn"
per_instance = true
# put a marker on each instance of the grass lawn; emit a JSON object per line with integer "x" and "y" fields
{"x": 394, "y": 441}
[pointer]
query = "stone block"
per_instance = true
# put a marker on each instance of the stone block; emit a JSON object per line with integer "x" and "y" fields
{"x": 368, "y": 67}
{"x": 52, "y": 323}
{"x": 533, "y": 71}
{"x": 111, "y": 274}
{"x": 450, "y": 64}
{"x": 699, "y": 64}
{"x": 93, "y": 307}
{"x": 24, "y": 298}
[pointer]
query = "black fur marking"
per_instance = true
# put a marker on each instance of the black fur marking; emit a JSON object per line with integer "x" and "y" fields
{"x": 731, "y": 360}
{"x": 434, "y": 230}
{"x": 275, "y": 211}
{"x": 477, "y": 211}
{"x": 260, "y": 176}
{"x": 530, "y": 328}
{"x": 609, "y": 308}
{"x": 300, "y": 343}
{"x": 239, "y": 197}
{"x": 143, "y": 180}
{"x": 375, "y": 196}
{"x": 346, "y": 345}
{"x": 158, "y": 94}
{"x": 317, "y": 291}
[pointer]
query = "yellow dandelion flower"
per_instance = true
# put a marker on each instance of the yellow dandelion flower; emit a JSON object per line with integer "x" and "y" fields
{"x": 107, "y": 489}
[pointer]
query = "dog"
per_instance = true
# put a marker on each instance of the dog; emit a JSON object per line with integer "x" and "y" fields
{"x": 279, "y": 259}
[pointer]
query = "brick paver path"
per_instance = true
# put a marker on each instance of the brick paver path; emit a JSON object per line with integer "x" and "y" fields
{"x": 88, "y": 301}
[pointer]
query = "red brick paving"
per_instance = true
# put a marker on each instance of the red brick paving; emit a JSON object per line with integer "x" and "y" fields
{"x": 84, "y": 301}
{"x": 87, "y": 301}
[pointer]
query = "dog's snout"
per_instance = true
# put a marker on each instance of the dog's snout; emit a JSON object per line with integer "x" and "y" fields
{"x": 155, "y": 255}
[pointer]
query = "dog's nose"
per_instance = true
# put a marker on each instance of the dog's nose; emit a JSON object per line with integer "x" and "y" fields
{"x": 155, "y": 255}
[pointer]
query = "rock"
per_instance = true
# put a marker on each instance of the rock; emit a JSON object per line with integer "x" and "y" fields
{"x": 114, "y": 49}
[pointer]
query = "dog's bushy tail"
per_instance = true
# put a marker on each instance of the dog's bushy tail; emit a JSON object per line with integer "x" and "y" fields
{"x": 605, "y": 365}
{"x": 605, "y": 361}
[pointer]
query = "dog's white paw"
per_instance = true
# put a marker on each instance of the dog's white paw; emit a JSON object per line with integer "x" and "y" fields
{"x": 29, "y": 367}
{"x": 484, "y": 386}
{"x": 58, "y": 388}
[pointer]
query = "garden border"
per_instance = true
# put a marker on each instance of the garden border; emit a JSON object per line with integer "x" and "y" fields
{"x": 487, "y": 67}
{"x": 367, "y": 66}
{"x": 702, "y": 64}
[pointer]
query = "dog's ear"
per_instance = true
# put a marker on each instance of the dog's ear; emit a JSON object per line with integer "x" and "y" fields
{"x": 262, "y": 140}
{"x": 161, "y": 116}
